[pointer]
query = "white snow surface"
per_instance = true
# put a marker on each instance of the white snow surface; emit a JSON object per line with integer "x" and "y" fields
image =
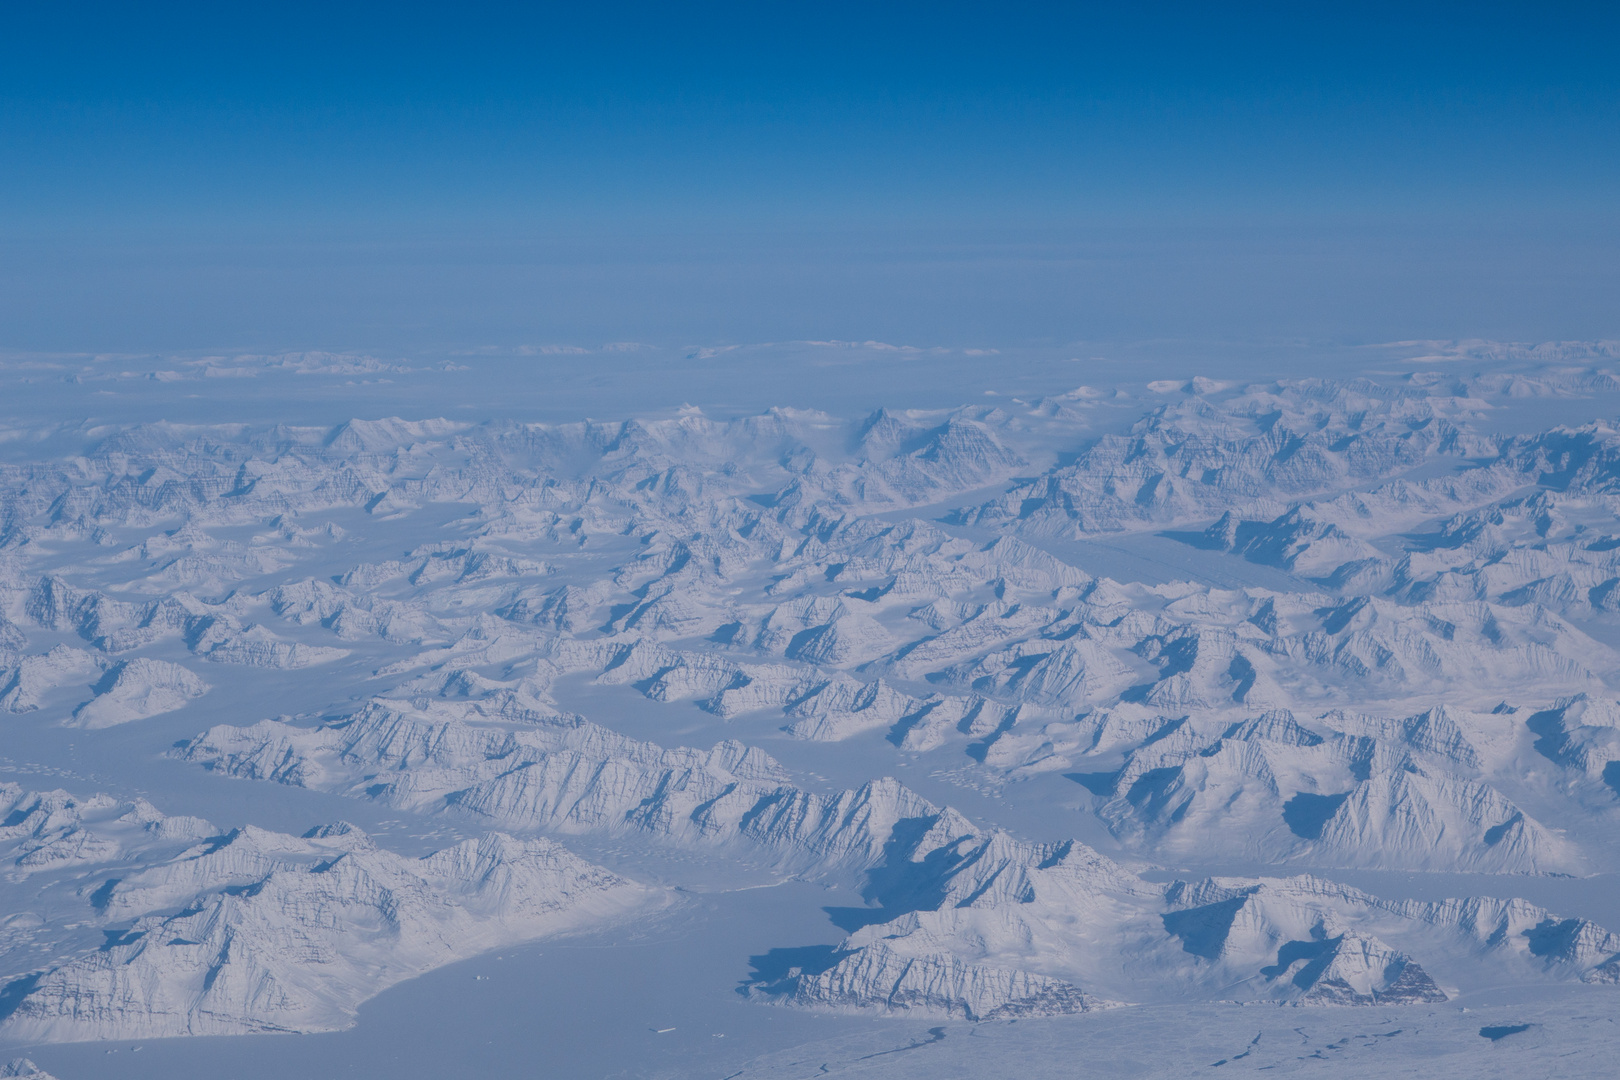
{"x": 1195, "y": 666}
{"x": 135, "y": 689}
{"x": 251, "y": 931}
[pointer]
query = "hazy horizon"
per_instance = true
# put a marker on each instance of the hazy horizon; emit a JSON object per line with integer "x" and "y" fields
{"x": 406, "y": 180}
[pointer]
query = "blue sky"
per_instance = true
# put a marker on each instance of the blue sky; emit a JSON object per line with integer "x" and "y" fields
{"x": 440, "y": 176}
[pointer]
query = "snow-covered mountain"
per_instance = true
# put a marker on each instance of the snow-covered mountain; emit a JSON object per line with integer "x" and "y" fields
{"x": 178, "y": 929}
{"x": 1376, "y": 637}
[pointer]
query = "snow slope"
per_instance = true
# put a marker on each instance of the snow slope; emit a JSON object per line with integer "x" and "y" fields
{"x": 1379, "y": 636}
{"x": 202, "y": 933}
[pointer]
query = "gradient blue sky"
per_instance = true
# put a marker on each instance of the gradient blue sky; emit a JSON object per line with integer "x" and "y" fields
{"x": 432, "y": 177}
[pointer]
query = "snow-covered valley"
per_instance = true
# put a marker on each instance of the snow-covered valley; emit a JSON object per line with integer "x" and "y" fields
{"x": 1297, "y": 699}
